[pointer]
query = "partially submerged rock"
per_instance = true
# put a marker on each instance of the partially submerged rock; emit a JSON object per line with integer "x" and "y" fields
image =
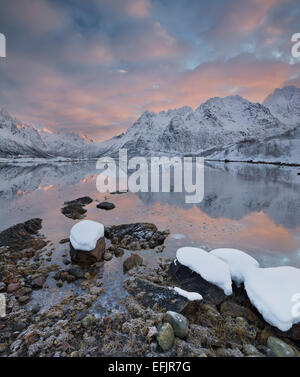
{"x": 136, "y": 236}
{"x": 87, "y": 243}
{"x": 133, "y": 261}
{"x": 74, "y": 208}
{"x": 22, "y": 236}
{"x": 106, "y": 206}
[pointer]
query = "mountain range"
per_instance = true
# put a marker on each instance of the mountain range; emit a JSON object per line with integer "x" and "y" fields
{"x": 230, "y": 128}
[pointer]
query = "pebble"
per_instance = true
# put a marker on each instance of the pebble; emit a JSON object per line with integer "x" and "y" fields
{"x": 165, "y": 337}
{"x": 280, "y": 348}
{"x": 178, "y": 322}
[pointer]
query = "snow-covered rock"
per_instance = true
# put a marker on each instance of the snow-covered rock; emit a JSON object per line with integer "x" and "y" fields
{"x": 85, "y": 234}
{"x": 275, "y": 293}
{"x": 207, "y": 266}
{"x": 239, "y": 262}
{"x": 285, "y": 105}
{"x": 191, "y": 296}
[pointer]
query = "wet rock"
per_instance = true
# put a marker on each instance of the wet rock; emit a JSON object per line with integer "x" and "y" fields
{"x": 193, "y": 282}
{"x": 251, "y": 351}
{"x": 118, "y": 252}
{"x": 87, "y": 321}
{"x": 74, "y": 212}
{"x": 280, "y": 348}
{"x": 66, "y": 262}
{"x": 21, "y": 236}
{"x": 83, "y": 201}
{"x": 77, "y": 272}
{"x": 12, "y": 287}
{"x": 60, "y": 283}
{"x": 74, "y": 208}
{"x": 88, "y": 257}
{"x": 178, "y": 322}
{"x": 133, "y": 261}
{"x": 65, "y": 240}
{"x": 107, "y": 256}
{"x": 36, "y": 308}
{"x": 136, "y": 236}
{"x": 165, "y": 337}
{"x": 154, "y": 296}
{"x": 38, "y": 282}
{"x": 23, "y": 299}
{"x": 106, "y": 206}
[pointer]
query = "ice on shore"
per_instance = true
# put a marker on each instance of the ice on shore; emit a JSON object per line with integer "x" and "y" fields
{"x": 85, "y": 234}
{"x": 275, "y": 292}
{"x": 191, "y": 296}
{"x": 239, "y": 262}
{"x": 207, "y": 266}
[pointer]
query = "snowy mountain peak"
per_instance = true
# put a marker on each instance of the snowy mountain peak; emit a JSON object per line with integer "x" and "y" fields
{"x": 285, "y": 104}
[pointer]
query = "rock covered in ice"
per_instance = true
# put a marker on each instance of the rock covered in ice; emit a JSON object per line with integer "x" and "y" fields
{"x": 238, "y": 261}
{"x": 207, "y": 266}
{"x": 85, "y": 234}
{"x": 275, "y": 292}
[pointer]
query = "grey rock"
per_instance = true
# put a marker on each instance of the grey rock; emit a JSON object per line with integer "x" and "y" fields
{"x": 178, "y": 322}
{"x": 280, "y": 348}
{"x": 165, "y": 337}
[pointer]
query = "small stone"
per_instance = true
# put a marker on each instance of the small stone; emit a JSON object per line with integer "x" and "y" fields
{"x": 107, "y": 256}
{"x": 39, "y": 282}
{"x": 60, "y": 283}
{"x": 3, "y": 347}
{"x": 2, "y": 287}
{"x": 178, "y": 322}
{"x": 87, "y": 321}
{"x": 36, "y": 308}
{"x": 133, "y": 261}
{"x": 12, "y": 287}
{"x": 165, "y": 337}
{"x": 152, "y": 333}
{"x": 64, "y": 275}
{"x": 74, "y": 354}
{"x": 118, "y": 252}
{"x": 106, "y": 205}
{"x": 77, "y": 272}
{"x": 280, "y": 348}
{"x": 23, "y": 299}
{"x": 107, "y": 321}
{"x": 87, "y": 275}
{"x": 66, "y": 262}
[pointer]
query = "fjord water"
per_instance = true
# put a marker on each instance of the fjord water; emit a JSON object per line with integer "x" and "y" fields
{"x": 255, "y": 208}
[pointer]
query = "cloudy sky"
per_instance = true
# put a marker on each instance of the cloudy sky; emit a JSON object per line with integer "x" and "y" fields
{"x": 93, "y": 66}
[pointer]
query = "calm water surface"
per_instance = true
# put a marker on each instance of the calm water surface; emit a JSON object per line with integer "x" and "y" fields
{"x": 255, "y": 208}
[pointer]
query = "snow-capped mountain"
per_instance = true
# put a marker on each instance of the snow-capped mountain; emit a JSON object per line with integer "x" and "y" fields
{"x": 216, "y": 123}
{"x": 285, "y": 105}
{"x": 216, "y": 126}
{"x": 18, "y": 139}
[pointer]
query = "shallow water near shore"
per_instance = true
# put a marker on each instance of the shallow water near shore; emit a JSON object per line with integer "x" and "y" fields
{"x": 255, "y": 208}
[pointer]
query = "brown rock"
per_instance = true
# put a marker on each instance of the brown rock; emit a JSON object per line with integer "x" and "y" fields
{"x": 89, "y": 257}
{"x": 133, "y": 261}
{"x": 12, "y": 287}
{"x": 234, "y": 310}
{"x": 38, "y": 282}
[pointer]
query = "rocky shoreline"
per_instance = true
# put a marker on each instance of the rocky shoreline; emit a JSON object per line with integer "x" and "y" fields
{"x": 154, "y": 320}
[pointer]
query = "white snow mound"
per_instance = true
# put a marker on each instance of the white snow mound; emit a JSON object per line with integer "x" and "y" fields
{"x": 85, "y": 234}
{"x": 191, "y": 296}
{"x": 207, "y": 266}
{"x": 238, "y": 261}
{"x": 275, "y": 292}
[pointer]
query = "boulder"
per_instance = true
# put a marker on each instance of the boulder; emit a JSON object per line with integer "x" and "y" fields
{"x": 280, "y": 348}
{"x": 191, "y": 281}
{"x": 88, "y": 257}
{"x": 136, "y": 236}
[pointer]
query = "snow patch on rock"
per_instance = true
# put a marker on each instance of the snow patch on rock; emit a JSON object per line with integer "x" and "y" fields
{"x": 85, "y": 234}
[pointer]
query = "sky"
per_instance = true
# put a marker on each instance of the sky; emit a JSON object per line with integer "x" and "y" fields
{"x": 94, "y": 66}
